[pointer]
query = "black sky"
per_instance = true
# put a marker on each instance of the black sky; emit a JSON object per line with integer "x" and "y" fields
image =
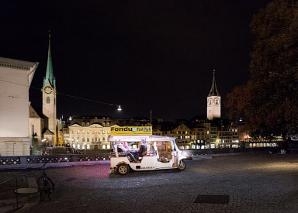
{"x": 144, "y": 55}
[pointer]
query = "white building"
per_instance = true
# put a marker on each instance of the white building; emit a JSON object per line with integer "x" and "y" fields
{"x": 15, "y": 80}
{"x": 88, "y": 136}
{"x": 36, "y": 124}
{"x": 213, "y": 101}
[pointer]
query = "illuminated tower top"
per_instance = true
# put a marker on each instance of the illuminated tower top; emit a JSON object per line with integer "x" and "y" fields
{"x": 213, "y": 91}
{"x": 213, "y": 101}
{"x": 49, "y": 78}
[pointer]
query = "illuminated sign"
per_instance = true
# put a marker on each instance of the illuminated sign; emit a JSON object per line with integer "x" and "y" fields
{"x": 131, "y": 130}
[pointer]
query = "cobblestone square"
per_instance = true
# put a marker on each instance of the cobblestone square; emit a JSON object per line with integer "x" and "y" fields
{"x": 254, "y": 183}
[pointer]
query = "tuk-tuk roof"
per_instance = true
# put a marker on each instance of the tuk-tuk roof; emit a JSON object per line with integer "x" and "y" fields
{"x": 135, "y": 138}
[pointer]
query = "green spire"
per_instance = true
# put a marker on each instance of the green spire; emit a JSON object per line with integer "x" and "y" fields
{"x": 50, "y": 79}
{"x": 213, "y": 90}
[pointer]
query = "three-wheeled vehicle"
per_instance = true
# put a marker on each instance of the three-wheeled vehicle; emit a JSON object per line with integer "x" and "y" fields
{"x": 143, "y": 153}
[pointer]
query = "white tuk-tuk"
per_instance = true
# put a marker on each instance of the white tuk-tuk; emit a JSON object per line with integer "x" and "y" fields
{"x": 142, "y": 153}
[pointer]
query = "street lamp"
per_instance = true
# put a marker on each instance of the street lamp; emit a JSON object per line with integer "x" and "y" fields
{"x": 119, "y": 109}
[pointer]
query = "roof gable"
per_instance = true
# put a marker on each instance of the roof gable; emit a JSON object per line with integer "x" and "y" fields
{"x": 16, "y": 64}
{"x": 95, "y": 126}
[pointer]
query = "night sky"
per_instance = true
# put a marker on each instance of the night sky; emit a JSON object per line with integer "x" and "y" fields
{"x": 144, "y": 55}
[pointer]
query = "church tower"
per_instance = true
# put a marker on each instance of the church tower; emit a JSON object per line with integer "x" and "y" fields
{"x": 213, "y": 101}
{"x": 49, "y": 96}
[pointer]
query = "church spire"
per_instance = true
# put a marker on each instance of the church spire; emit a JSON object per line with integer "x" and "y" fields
{"x": 50, "y": 79}
{"x": 213, "y": 91}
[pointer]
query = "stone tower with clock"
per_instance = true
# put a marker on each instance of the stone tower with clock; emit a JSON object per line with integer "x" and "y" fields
{"x": 49, "y": 99}
{"x": 213, "y": 101}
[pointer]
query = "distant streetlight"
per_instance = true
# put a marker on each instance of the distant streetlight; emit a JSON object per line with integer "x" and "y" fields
{"x": 119, "y": 109}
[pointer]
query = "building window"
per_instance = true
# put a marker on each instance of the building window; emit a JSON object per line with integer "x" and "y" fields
{"x": 48, "y": 100}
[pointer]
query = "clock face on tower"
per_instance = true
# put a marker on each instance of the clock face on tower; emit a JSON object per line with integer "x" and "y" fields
{"x": 48, "y": 89}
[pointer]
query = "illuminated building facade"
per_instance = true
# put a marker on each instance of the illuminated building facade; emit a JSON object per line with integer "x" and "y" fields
{"x": 16, "y": 77}
{"x": 87, "y": 136}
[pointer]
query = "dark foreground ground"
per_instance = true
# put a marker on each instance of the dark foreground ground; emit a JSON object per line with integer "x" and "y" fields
{"x": 237, "y": 183}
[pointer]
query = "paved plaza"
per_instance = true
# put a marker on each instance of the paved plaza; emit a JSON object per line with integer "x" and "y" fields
{"x": 249, "y": 183}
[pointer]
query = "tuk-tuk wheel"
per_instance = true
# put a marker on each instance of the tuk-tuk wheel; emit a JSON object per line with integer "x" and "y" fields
{"x": 122, "y": 169}
{"x": 181, "y": 165}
